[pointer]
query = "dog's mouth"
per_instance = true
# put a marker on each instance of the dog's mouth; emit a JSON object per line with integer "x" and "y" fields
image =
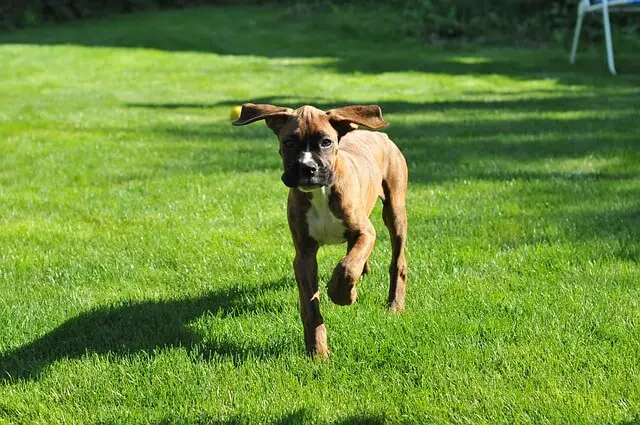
{"x": 292, "y": 178}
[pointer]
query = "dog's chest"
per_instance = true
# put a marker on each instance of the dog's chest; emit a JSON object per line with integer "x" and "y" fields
{"x": 324, "y": 227}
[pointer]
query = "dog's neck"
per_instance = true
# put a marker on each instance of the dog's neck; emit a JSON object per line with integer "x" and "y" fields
{"x": 325, "y": 190}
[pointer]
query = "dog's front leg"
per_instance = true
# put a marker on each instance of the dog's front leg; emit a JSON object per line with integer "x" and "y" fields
{"x": 342, "y": 287}
{"x": 315, "y": 334}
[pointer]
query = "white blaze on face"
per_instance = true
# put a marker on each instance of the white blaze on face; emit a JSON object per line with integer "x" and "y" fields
{"x": 307, "y": 159}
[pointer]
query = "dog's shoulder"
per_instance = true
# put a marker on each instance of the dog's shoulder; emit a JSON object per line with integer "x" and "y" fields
{"x": 365, "y": 136}
{"x": 368, "y": 144}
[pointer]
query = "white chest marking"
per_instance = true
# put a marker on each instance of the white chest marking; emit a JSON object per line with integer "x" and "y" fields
{"x": 324, "y": 227}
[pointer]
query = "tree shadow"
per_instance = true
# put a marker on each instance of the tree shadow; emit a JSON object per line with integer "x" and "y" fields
{"x": 257, "y": 31}
{"x": 144, "y": 327}
{"x": 298, "y": 416}
{"x": 437, "y": 149}
{"x": 556, "y": 101}
{"x": 501, "y": 147}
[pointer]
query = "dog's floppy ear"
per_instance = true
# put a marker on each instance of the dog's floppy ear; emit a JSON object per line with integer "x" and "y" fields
{"x": 274, "y": 116}
{"x": 369, "y": 116}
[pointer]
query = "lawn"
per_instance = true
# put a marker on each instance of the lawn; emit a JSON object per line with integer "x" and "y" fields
{"x": 145, "y": 260}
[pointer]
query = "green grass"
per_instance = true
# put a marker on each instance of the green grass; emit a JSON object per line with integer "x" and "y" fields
{"x": 145, "y": 261}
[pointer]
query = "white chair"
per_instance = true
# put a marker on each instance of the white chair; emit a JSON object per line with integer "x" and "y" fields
{"x": 603, "y": 6}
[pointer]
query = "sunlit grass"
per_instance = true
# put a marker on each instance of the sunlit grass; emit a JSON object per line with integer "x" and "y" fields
{"x": 145, "y": 260}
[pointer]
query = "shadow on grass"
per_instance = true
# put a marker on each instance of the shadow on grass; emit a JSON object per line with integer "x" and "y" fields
{"x": 345, "y": 45}
{"x": 298, "y": 416}
{"x": 579, "y": 162}
{"x": 552, "y": 101}
{"x": 135, "y": 327}
{"x": 439, "y": 150}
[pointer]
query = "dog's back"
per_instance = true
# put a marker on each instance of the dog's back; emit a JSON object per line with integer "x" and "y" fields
{"x": 385, "y": 164}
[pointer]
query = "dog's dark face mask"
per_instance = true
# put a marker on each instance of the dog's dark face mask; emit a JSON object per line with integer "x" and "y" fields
{"x": 308, "y": 147}
{"x": 309, "y": 138}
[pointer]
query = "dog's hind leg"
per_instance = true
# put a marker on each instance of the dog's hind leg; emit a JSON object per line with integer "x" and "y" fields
{"x": 394, "y": 213}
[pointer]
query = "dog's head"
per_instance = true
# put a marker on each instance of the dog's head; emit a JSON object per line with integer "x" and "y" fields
{"x": 310, "y": 138}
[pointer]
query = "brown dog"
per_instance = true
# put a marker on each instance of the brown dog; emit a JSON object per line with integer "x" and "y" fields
{"x": 336, "y": 173}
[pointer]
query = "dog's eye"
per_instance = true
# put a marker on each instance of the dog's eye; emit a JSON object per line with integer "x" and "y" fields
{"x": 325, "y": 143}
{"x": 289, "y": 143}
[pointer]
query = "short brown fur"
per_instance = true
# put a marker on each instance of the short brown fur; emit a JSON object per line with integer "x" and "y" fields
{"x": 357, "y": 168}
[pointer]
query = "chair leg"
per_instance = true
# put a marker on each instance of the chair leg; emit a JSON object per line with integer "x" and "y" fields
{"x": 576, "y": 34}
{"x": 607, "y": 36}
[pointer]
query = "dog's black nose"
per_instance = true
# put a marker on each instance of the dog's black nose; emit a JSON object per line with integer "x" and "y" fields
{"x": 308, "y": 169}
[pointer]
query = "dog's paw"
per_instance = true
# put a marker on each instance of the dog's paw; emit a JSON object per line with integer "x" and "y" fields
{"x": 396, "y": 306}
{"x": 320, "y": 354}
{"x": 342, "y": 295}
{"x": 318, "y": 351}
{"x": 342, "y": 288}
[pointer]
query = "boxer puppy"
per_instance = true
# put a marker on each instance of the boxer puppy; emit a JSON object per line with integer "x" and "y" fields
{"x": 335, "y": 173}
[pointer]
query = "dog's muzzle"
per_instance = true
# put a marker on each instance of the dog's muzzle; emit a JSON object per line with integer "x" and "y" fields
{"x": 310, "y": 174}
